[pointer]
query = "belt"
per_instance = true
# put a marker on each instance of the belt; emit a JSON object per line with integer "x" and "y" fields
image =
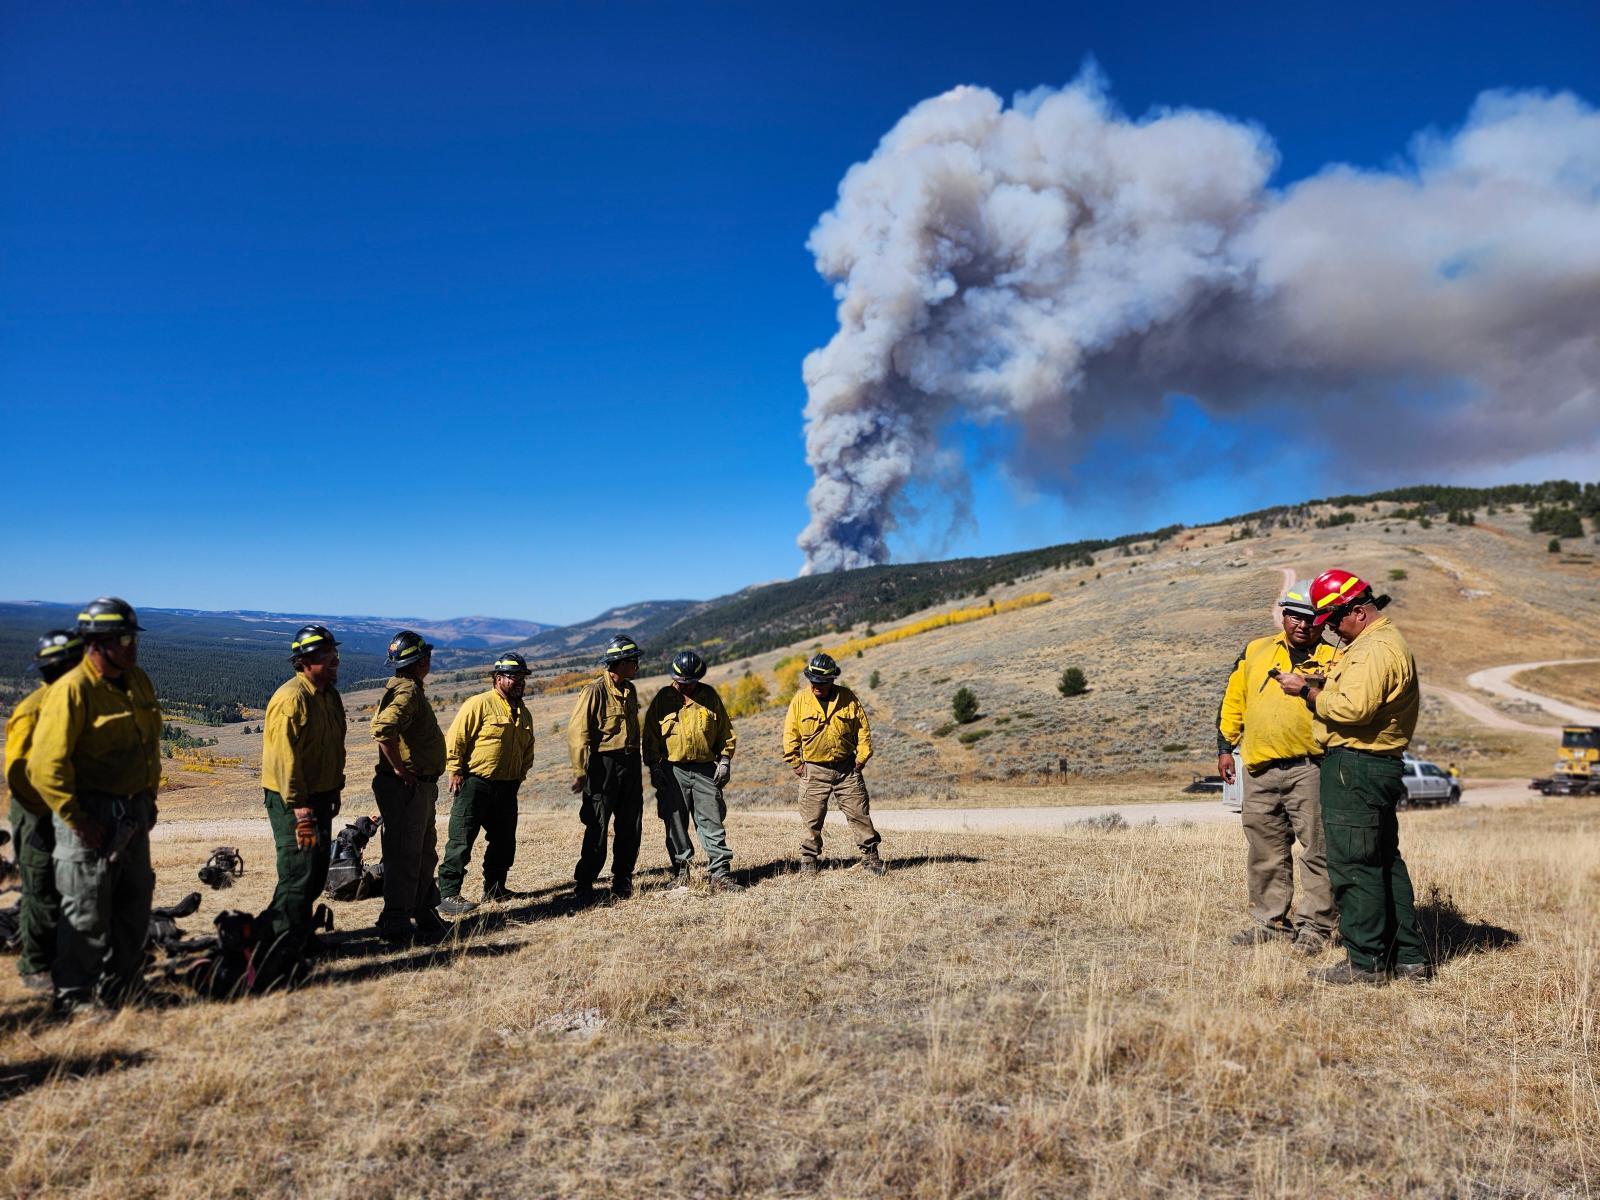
{"x": 91, "y": 794}
{"x": 1388, "y": 755}
{"x": 1272, "y": 763}
{"x": 838, "y": 764}
{"x": 623, "y": 753}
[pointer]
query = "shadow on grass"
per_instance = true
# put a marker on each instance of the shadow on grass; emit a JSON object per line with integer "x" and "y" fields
{"x": 20, "y": 1077}
{"x": 442, "y": 955}
{"x": 22, "y": 1016}
{"x": 1449, "y": 933}
{"x": 778, "y": 868}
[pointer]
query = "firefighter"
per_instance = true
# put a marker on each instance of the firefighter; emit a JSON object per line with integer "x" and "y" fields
{"x": 1364, "y": 715}
{"x": 405, "y": 782}
{"x": 688, "y": 748}
{"x": 603, "y": 740}
{"x": 302, "y": 776}
{"x": 827, "y": 741}
{"x": 1282, "y": 779}
{"x": 32, "y": 826}
{"x": 95, "y": 761}
{"x": 488, "y": 753}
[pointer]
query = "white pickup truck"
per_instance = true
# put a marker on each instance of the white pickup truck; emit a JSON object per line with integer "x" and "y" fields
{"x": 1429, "y": 784}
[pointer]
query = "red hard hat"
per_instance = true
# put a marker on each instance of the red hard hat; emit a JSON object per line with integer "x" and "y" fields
{"x": 1333, "y": 590}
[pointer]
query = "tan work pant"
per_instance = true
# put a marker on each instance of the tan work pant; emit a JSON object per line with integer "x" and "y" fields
{"x": 849, "y": 791}
{"x": 1282, "y": 805}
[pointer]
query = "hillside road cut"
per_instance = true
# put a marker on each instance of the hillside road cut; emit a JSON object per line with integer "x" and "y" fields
{"x": 1498, "y": 681}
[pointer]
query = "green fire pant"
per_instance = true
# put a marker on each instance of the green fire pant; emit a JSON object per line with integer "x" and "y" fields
{"x": 612, "y": 788}
{"x": 410, "y": 843}
{"x": 687, "y": 791}
{"x": 1371, "y": 886}
{"x": 489, "y": 805}
{"x": 105, "y": 905}
{"x": 35, "y": 841}
{"x": 302, "y": 874}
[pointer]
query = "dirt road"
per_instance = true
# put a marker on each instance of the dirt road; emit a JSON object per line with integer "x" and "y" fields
{"x": 1476, "y": 710}
{"x": 1496, "y": 793}
{"x": 1488, "y": 794}
{"x": 1498, "y": 681}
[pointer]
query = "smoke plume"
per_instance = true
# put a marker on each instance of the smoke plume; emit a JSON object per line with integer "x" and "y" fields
{"x": 1058, "y": 268}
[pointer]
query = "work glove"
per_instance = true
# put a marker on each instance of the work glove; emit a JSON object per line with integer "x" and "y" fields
{"x": 305, "y": 828}
{"x": 723, "y": 771}
{"x": 658, "y": 776}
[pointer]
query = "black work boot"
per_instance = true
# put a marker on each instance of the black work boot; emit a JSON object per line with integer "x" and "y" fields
{"x": 1346, "y": 973}
{"x": 622, "y": 889}
{"x": 721, "y": 883}
{"x": 395, "y": 928}
{"x": 809, "y": 868}
{"x": 1414, "y": 972}
{"x": 497, "y": 892}
{"x": 456, "y": 906}
{"x": 430, "y": 929}
{"x": 872, "y": 864}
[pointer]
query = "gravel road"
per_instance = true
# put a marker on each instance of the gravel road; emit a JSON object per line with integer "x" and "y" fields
{"x": 1498, "y": 681}
{"x": 1498, "y": 793}
{"x": 1491, "y": 793}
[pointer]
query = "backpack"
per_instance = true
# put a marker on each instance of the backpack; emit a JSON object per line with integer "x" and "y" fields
{"x": 348, "y": 877}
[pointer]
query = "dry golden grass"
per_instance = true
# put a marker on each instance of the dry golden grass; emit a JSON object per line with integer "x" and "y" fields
{"x": 998, "y": 1017}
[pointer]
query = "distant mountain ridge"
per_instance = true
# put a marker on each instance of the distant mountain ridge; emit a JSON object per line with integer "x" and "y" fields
{"x": 643, "y": 621}
{"x": 198, "y": 655}
{"x": 466, "y": 633}
{"x": 456, "y": 633}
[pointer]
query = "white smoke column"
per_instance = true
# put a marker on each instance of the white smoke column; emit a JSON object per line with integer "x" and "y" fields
{"x": 1056, "y": 265}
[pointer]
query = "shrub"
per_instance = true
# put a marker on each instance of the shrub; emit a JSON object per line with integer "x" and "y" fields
{"x": 787, "y": 672}
{"x": 945, "y": 730}
{"x": 974, "y": 735}
{"x": 873, "y": 680}
{"x": 1073, "y": 682}
{"x": 1397, "y": 575}
{"x": 1563, "y": 522}
{"x": 1174, "y": 748}
{"x": 746, "y": 696}
{"x": 1555, "y": 546}
{"x": 964, "y": 706}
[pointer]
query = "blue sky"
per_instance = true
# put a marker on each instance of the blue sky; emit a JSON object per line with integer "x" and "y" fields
{"x": 500, "y": 309}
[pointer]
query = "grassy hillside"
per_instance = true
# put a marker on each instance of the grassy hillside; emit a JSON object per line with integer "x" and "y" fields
{"x": 771, "y": 615}
{"x": 1155, "y": 633}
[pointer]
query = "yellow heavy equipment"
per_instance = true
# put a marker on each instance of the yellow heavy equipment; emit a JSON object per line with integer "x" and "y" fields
{"x": 1577, "y": 769}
